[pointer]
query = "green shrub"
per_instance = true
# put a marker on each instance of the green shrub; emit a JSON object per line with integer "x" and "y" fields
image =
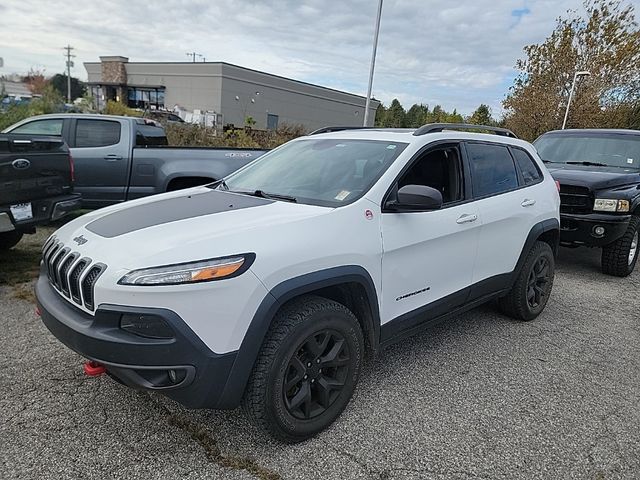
{"x": 117, "y": 108}
{"x": 187, "y": 135}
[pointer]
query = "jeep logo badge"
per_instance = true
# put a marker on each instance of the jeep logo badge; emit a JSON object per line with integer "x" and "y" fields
{"x": 21, "y": 164}
{"x": 80, "y": 240}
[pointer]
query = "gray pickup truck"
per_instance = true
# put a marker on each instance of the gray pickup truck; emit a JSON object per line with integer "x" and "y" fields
{"x": 123, "y": 158}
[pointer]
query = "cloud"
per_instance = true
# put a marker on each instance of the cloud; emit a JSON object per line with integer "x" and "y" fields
{"x": 458, "y": 54}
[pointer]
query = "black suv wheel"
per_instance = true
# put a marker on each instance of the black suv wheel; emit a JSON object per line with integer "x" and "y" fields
{"x": 9, "y": 239}
{"x": 530, "y": 293}
{"x": 307, "y": 369}
{"x": 620, "y": 258}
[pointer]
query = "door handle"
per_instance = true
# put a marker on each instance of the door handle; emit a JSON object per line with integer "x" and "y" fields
{"x": 467, "y": 218}
{"x": 113, "y": 158}
{"x": 528, "y": 202}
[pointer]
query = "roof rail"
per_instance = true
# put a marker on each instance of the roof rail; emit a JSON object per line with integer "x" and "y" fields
{"x": 439, "y": 127}
{"x": 336, "y": 129}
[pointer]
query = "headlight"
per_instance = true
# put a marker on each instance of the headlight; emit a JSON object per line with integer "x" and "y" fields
{"x": 192, "y": 272}
{"x": 610, "y": 205}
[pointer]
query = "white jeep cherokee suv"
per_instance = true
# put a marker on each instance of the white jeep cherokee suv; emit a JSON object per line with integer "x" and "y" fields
{"x": 270, "y": 288}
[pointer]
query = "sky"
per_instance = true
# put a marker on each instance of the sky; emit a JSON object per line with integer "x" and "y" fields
{"x": 458, "y": 54}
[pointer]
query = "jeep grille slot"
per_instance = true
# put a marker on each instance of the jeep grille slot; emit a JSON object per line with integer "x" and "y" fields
{"x": 74, "y": 280}
{"x": 55, "y": 266}
{"x": 575, "y": 200}
{"x": 88, "y": 283}
{"x": 71, "y": 275}
{"x": 64, "y": 271}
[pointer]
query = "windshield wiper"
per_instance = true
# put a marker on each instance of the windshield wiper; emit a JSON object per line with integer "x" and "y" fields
{"x": 272, "y": 196}
{"x": 589, "y": 164}
{"x": 219, "y": 183}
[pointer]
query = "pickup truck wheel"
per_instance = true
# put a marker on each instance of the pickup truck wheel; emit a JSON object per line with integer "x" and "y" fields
{"x": 620, "y": 258}
{"x": 307, "y": 369}
{"x": 530, "y": 293}
{"x": 9, "y": 240}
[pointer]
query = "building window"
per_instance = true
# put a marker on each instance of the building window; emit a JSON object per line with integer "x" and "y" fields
{"x": 272, "y": 121}
{"x": 145, "y": 98}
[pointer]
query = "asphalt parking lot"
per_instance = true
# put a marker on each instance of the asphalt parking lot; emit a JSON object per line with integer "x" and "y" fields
{"x": 481, "y": 396}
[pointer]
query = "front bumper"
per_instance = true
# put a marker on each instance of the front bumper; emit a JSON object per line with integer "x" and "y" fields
{"x": 137, "y": 361}
{"x": 44, "y": 210}
{"x": 578, "y": 230}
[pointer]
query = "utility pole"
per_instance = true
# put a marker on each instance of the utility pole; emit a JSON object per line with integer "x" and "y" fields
{"x": 373, "y": 64}
{"x": 193, "y": 56}
{"x": 68, "y": 49}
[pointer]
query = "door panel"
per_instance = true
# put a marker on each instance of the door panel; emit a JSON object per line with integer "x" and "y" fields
{"x": 101, "y": 156}
{"x": 427, "y": 256}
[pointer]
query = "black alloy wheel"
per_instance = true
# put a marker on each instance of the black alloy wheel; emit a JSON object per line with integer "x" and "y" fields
{"x": 539, "y": 279}
{"x": 316, "y": 374}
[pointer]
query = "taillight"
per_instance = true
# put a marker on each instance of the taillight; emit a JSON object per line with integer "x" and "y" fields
{"x": 72, "y": 168}
{"x": 558, "y": 185}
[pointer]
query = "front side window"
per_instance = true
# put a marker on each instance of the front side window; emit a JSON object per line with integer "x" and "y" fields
{"x": 326, "y": 172}
{"x": 52, "y": 126}
{"x": 440, "y": 169}
{"x": 492, "y": 169}
{"x": 97, "y": 133}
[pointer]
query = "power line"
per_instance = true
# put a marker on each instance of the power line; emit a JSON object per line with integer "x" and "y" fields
{"x": 68, "y": 50}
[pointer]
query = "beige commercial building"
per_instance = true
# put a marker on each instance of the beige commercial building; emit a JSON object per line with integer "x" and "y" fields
{"x": 232, "y": 92}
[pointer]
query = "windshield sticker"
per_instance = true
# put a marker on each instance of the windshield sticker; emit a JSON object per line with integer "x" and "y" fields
{"x": 342, "y": 195}
{"x": 391, "y": 147}
{"x": 340, "y": 145}
{"x": 630, "y": 161}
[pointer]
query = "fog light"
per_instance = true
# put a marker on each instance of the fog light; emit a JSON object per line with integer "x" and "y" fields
{"x": 599, "y": 231}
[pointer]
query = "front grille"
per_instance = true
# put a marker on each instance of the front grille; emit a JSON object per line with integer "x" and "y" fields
{"x": 71, "y": 275}
{"x": 575, "y": 200}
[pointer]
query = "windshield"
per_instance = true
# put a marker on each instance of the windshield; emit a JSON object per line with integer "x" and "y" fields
{"x": 326, "y": 172}
{"x": 613, "y": 150}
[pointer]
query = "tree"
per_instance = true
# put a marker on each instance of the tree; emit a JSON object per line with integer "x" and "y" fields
{"x": 395, "y": 115}
{"x": 417, "y": 115}
{"x": 59, "y": 82}
{"x": 605, "y": 42}
{"x": 482, "y": 116}
{"x": 36, "y": 81}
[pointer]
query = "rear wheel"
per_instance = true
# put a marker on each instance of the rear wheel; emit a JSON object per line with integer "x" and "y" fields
{"x": 9, "y": 239}
{"x": 620, "y": 258}
{"x": 530, "y": 292}
{"x": 307, "y": 369}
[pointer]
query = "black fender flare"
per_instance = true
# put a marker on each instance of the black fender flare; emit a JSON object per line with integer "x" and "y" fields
{"x": 278, "y": 296}
{"x": 550, "y": 225}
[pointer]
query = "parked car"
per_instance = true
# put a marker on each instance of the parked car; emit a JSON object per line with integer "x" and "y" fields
{"x": 123, "y": 158}
{"x": 36, "y": 184}
{"x": 599, "y": 175}
{"x": 271, "y": 287}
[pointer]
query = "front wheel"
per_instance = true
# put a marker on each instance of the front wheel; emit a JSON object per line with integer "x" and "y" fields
{"x": 620, "y": 258}
{"x": 307, "y": 369}
{"x": 530, "y": 293}
{"x": 9, "y": 239}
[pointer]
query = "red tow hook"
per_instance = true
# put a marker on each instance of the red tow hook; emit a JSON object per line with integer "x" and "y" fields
{"x": 38, "y": 312}
{"x": 93, "y": 369}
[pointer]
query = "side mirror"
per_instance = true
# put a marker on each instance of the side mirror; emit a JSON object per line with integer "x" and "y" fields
{"x": 416, "y": 198}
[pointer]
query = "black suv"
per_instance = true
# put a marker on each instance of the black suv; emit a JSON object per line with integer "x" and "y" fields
{"x": 599, "y": 175}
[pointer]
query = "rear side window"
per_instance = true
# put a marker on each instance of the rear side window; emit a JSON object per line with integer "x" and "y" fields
{"x": 528, "y": 168}
{"x": 492, "y": 169}
{"x": 52, "y": 126}
{"x": 97, "y": 133}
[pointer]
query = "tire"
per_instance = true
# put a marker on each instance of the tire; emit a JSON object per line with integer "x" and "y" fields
{"x": 9, "y": 239}
{"x": 530, "y": 292}
{"x": 309, "y": 334}
{"x": 620, "y": 257}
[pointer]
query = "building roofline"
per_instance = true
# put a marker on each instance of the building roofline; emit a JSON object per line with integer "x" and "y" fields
{"x": 249, "y": 70}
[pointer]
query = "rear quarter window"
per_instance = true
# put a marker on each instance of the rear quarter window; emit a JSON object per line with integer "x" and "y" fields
{"x": 492, "y": 169}
{"x": 530, "y": 172}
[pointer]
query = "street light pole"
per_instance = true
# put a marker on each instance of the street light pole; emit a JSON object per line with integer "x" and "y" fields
{"x": 573, "y": 87}
{"x": 373, "y": 64}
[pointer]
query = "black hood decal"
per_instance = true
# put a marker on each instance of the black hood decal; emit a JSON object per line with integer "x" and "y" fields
{"x": 171, "y": 210}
